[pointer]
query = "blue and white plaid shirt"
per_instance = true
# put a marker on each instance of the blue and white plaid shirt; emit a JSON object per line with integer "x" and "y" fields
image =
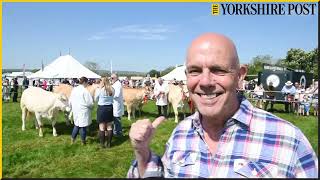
{"x": 254, "y": 143}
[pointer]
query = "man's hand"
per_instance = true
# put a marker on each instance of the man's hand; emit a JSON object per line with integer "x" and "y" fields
{"x": 141, "y": 133}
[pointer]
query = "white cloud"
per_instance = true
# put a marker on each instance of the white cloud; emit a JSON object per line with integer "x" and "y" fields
{"x": 96, "y": 37}
{"x": 137, "y": 31}
{"x": 136, "y": 28}
{"x": 144, "y": 37}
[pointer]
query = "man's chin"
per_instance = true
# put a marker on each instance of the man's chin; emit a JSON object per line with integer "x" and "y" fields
{"x": 208, "y": 112}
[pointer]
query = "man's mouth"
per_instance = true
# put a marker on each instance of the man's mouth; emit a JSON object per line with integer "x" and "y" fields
{"x": 208, "y": 95}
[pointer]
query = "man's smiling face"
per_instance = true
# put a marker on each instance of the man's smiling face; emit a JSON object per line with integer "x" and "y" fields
{"x": 212, "y": 71}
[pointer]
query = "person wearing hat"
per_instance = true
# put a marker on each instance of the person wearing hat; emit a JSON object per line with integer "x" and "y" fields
{"x": 288, "y": 91}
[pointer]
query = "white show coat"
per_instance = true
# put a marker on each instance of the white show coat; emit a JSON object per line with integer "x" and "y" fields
{"x": 161, "y": 94}
{"x": 81, "y": 103}
{"x": 118, "y": 108}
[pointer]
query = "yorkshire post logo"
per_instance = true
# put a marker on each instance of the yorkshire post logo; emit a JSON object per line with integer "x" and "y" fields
{"x": 240, "y": 9}
{"x": 215, "y": 9}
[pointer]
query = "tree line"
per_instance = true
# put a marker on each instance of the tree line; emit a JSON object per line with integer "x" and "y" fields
{"x": 295, "y": 59}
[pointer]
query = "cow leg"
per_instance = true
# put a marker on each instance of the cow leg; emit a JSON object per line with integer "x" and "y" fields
{"x": 70, "y": 117}
{"x": 169, "y": 109}
{"x": 54, "y": 131}
{"x": 24, "y": 116}
{"x": 140, "y": 109}
{"x": 184, "y": 110}
{"x": 129, "y": 112}
{"x": 38, "y": 117}
{"x": 176, "y": 113}
{"x": 66, "y": 118}
{"x": 133, "y": 110}
{"x": 36, "y": 124}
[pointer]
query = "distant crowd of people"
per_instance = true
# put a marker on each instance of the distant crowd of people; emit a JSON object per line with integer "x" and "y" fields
{"x": 297, "y": 98}
{"x": 10, "y": 88}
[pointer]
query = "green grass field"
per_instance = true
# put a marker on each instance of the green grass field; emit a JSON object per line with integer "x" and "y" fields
{"x": 27, "y": 155}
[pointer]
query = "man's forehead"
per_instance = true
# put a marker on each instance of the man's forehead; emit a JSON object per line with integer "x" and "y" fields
{"x": 211, "y": 62}
{"x": 213, "y": 47}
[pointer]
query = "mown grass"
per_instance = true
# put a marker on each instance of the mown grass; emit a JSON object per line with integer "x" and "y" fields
{"x": 27, "y": 155}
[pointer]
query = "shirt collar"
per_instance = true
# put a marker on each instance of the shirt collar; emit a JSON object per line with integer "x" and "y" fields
{"x": 242, "y": 115}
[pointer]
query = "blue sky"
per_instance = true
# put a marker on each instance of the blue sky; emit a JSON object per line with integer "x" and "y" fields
{"x": 140, "y": 36}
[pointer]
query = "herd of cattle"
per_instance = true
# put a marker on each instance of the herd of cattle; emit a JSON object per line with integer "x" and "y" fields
{"x": 45, "y": 104}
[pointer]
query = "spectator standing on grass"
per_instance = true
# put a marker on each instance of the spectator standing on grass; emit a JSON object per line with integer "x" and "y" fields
{"x": 258, "y": 92}
{"x": 25, "y": 82}
{"x": 44, "y": 84}
{"x": 15, "y": 90}
{"x": 104, "y": 97}
{"x": 118, "y": 107}
{"x": 297, "y": 97}
{"x": 11, "y": 86}
{"x": 161, "y": 91}
{"x": 288, "y": 90}
{"x": 81, "y": 103}
{"x": 315, "y": 99}
{"x": 6, "y": 90}
{"x": 308, "y": 99}
{"x": 270, "y": 97}
{"x": 227, "y": 137}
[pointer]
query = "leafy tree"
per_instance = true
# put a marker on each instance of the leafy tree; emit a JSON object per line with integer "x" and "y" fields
{"x": 34, "y": 70}
{"x": 167, "y": 70}
{"x": 314, "y": 63}
{"x": 257, "y": 62}
{"x": 299, "y": 59}
{"x": 93, "y": 66}
{"x": 154, "y": 73}
{"x": 294, "y": 59}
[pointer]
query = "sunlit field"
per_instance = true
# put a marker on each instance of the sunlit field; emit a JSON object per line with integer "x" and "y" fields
{"x": 27, "y": 155}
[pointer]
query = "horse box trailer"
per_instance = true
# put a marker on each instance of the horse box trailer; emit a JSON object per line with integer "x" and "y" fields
{"x": 280, "y": 75}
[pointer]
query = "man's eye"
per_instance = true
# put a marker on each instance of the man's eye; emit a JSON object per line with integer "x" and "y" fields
{"x": 193, "y": 72}
{"x": 219, "y": 72}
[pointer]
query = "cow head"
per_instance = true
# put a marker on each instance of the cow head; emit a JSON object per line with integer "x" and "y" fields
{"x": 62, "y": 103}
{"x": 148, "y": 93}
{"x": 92, "y": 89}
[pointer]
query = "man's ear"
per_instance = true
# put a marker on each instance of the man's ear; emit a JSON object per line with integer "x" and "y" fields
{"x": 242, "y": 74}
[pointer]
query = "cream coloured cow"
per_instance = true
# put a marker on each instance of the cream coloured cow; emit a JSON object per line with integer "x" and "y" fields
{"x": 43, "y": 104}
{"x": 134, "y": 99}
{"x": 92, "y": 89}
{"x": 64, "y": 89}
{"x": 178, "y": 98}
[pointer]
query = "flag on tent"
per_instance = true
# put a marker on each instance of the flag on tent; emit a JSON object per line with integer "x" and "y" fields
{"x": 42, "y": 66}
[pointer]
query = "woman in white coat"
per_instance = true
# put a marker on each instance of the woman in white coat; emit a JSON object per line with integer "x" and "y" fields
{"x": 81, "y": 103}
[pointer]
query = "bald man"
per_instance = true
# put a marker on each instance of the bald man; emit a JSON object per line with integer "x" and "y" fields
{"x": 227, "y": 137}
{"x": 118, "y": 107}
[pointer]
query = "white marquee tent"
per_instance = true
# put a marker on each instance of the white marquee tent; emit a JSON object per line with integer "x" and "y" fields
{"x": 64, "y": 67}
{"x": 178, "y": 73}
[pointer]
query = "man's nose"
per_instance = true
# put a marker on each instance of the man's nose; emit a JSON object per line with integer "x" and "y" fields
{"x": 207, "y": 79}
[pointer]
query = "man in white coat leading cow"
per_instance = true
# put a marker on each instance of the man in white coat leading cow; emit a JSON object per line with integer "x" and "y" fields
{"x": 81, "y": 103}
{"x": 161, "y": 94}
{"x": 118, "y": 107}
